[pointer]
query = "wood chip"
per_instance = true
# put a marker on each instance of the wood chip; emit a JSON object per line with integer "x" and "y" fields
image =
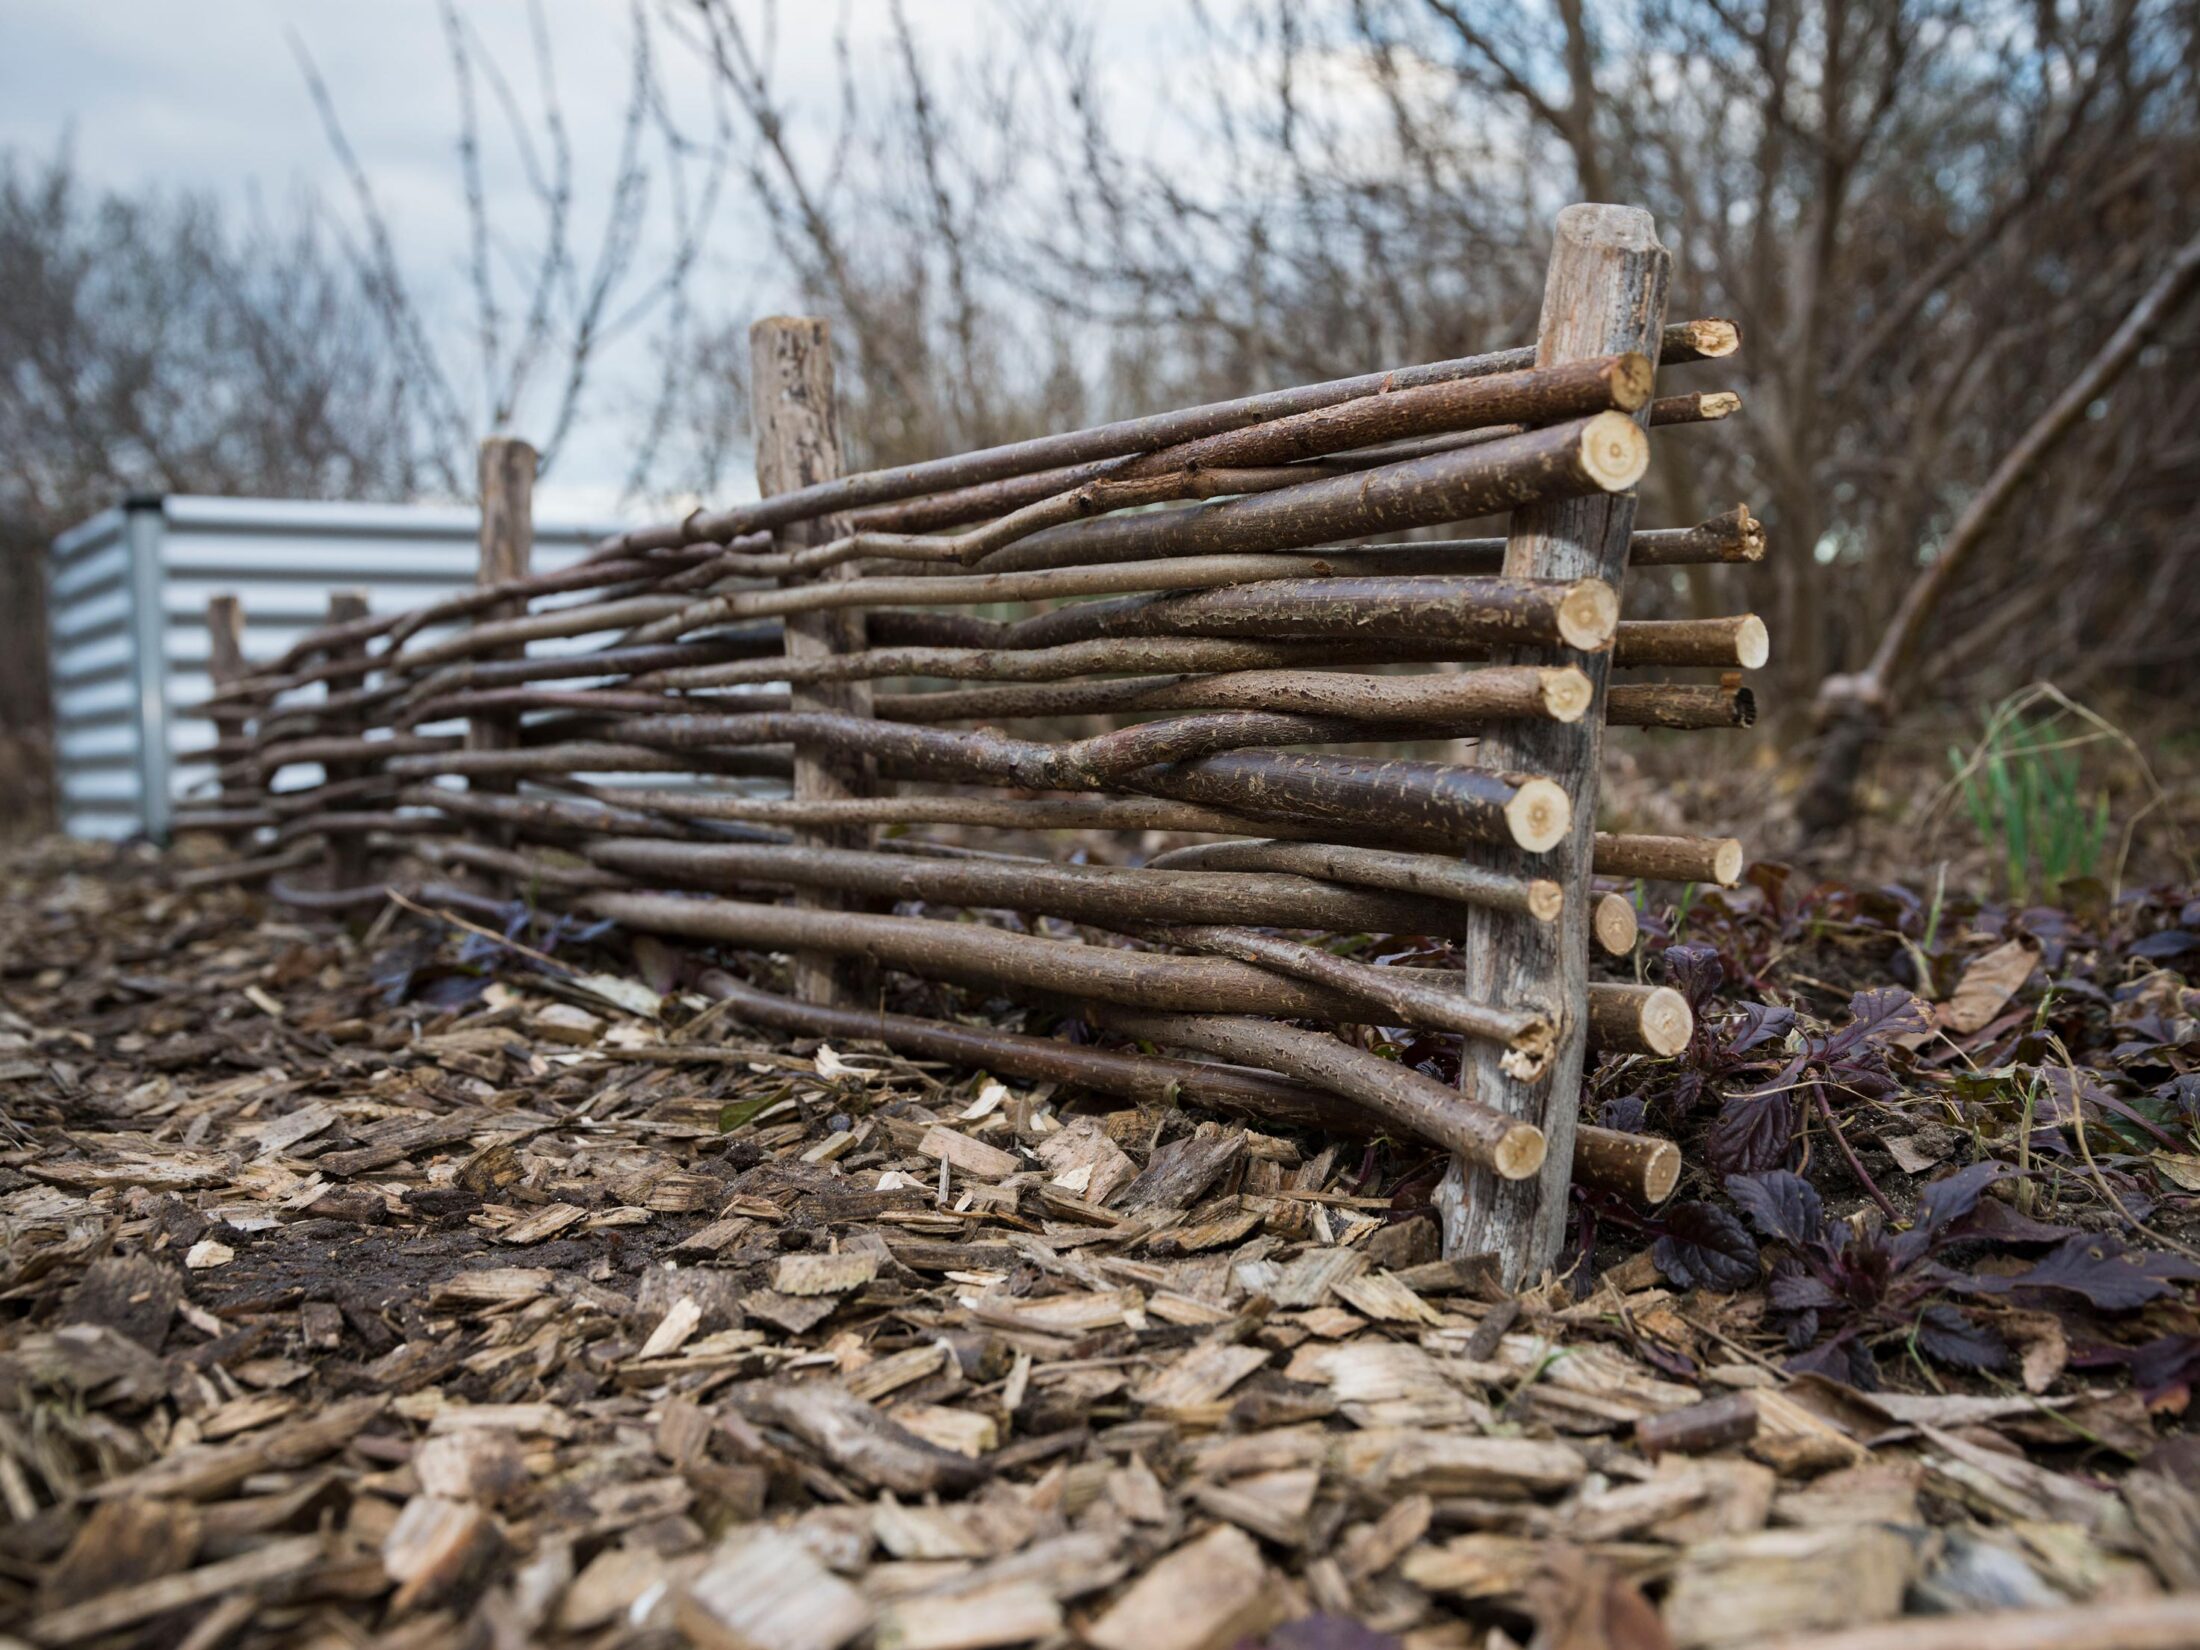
{"x": 545, "y": 1223}
{"x": 1787, "y": 1581}
{"x": 1010, "y": 1612}
{"x": 762, "y": 1590}
{"x": 813, "y": 1274}
{"x": 437, "y": 1548}
{"x": 278, "y": 1561}
{"x": 1206, "y": 1595}
{"x": 1199, "y": 1377}
{"x": 968, "y": 1156}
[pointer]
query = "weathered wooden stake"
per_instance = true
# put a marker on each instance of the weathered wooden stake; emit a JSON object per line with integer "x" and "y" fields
{"x": 507, "y": 482}
{"x": 797, "y": 425}
{"x": 224, "y": 665}
{"x": 1605, "y": 293}
{"x": 349, "y": 865}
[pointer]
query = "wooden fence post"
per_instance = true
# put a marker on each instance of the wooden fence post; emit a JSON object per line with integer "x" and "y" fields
{"x": 224, "y": 665}
{"x": 1605, "y": 293}
{"x": 797, "y": 425}
{"x": 349, "y": 864}
{"x": 507, "y": 484}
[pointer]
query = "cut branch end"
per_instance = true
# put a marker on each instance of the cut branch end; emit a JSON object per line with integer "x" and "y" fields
{"x": 1546, "y": 899}
{"x": 1565, "y": 693}
{"x": 1713, "y": 337}
{"x": 1519, "y": 1152}
{"x": 1726, "y": 864}
{"x": 1667, "y": 1021}
{"x": 1752, "y": 643}
{"x": 1588, "y": 618}
{"x": 1614, "y": 451}
{"x": 1539, "y": 815}
{"x": 1633, "y": 378}
{"x": 1615, "y": 925}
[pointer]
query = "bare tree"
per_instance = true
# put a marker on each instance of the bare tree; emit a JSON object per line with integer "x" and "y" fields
{"x": 1928, "y": 215}
{"x": 550, "y": 294}
{"x": 149, "y": 343}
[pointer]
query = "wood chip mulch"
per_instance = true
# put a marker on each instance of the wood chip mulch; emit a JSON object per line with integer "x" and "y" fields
{"x": 554, "y": 1317}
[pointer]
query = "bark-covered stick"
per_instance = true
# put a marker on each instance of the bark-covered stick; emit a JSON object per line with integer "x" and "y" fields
{"x": 1653, "y": 858}
{"x": 562, "y": 819}
{"x": 1560, "y": 694}
{"x": 1105, "y": 895}
{"x": 1486, "y": 610}
{"x": 1603, "y": 1158}
{"x": 1374, "y": 796}
{"x": 1716, "y": 859}
{"x": 1507, "y": 1147}
{"x": 1526, "y": 1037}
{"x": 1360, "y": 791}
{"x": 1702, "y": 407}
{"x": 1258, "y": 458}
{"x": 753, "y": 643}
{"x": 492, "y": 637}
{"x": 531, "y": 875}
{"x": 1702, "y": 340}
{"x": 1145, "y": 1079}
{"x": 1736, "y": 536}
{"x": 1679, "y": 705}
{"x": 987, "y": 956}
{"x": 1736, "y": 643}
{"x": 1456, "y": 697}
{"x": 590, "y": 756}
{"x": 1621, "y": 1018}
{"x": 1599, "y": 454}
{"x": 1640, "y": 1167}
{"x": 1639, "y": 1019}
{"x": 1430, "y": 876}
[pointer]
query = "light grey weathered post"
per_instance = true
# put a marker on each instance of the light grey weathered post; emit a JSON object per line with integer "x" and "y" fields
{"x": 224, "y": 665}
{"x": 797, "y": 425}
{"x": 349, "y": 864}
{"x": 507, "y": 551}
{"x": 1605, "y": 293}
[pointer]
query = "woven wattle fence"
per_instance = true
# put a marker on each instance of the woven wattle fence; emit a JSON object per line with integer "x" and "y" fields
{"x": 737, "y": 708}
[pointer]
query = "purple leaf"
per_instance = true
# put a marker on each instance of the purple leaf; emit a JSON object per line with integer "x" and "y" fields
{"x": 1951, "y": 1337}
{"x": 1625, "y": 1112}
{"x": 1753, "y": 1131}
{"x": 1760, "y": 1023}
{"x": 1843, "y": 1358}
{"x": 1952, "y": 1197}
{"x": 1999, "y": 1222}
{"x": 2165, "y": 1370}
{"x": 1800, "y": 1292}
{"x": 1886, "y": 1011}
{"x": 2099, "y": 1269}
{"x": 1874, "y": 1016}
{"x": 1705, "y": 1248}
{"x": 1694, "y": 971}
{"x": 2170, "y": 942}
{"x": 1779, "y": 1204}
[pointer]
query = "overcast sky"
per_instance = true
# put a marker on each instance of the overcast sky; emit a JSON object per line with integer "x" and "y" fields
{"x": 208, "y": 94}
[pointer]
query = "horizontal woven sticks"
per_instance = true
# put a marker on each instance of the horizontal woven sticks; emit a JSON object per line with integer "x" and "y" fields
{"x": 1191, "y": 624}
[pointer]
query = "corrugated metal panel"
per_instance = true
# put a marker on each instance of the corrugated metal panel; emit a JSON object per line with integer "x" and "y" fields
{"x": 127, "y": 605}
{"x": 95, "y": 733}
